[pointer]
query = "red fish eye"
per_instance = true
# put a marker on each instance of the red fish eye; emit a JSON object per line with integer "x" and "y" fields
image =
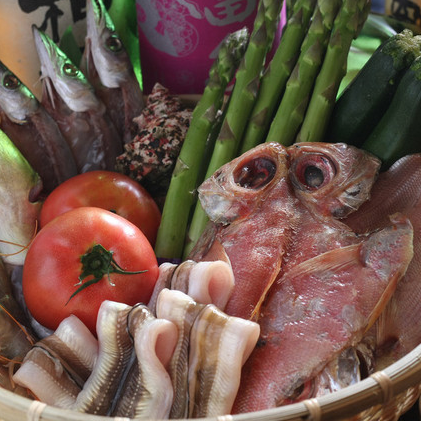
{"x": 313, "y": 176}
{"x": 114, "y": 44}
{"x": 314, "y": 171}
{"x": 255, "y": 173}
{"x": 305, "y": 391}
{"x": 10, "y": 81}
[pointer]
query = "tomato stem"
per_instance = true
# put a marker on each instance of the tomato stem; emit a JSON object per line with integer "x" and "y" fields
{"x": 98, "y": 262}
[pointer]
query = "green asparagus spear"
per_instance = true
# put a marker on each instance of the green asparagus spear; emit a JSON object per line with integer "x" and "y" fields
{"x": 241, "y": 102}
{"x": 364, "y": 9}
{"x": 180, "y": 195}
{"x": 346, "y": 27}
{"x": 246, "y": 85}
{"x": 210, "y": 143}
{"x": 275, "y": 77}
{"x": 289, "y": 4}
{"x": 291, "y": 111}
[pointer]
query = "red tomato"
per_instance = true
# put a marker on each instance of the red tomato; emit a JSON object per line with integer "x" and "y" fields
{"x": 107, "y": 190}
{"x": 53, "y": 266}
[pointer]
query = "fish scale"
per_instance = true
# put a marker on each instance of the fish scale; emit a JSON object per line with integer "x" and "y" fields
{"x": 297, "y": 348}
{"x": 298, "y": 269}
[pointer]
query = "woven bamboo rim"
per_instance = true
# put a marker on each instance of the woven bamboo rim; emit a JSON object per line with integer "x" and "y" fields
{"x": 385, "y": 395}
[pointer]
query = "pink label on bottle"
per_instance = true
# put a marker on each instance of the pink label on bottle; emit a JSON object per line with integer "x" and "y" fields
{"x": 179, "y": 39}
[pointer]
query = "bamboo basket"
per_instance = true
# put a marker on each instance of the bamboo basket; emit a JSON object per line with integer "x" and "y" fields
{"x": 383, "y": 396}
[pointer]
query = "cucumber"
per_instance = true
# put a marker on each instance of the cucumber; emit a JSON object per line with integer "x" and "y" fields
{"x": 364, "y": 101}
{"x": 398, "y": 133}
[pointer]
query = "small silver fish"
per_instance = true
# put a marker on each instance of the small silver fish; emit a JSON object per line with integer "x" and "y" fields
{"x": 80, "y": 115}
{"x": 20, "y": 187}
{"x": 34, "y": 132}
{"x": 108, "y": 67}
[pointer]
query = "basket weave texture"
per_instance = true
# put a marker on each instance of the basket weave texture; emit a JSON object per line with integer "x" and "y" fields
{"x": 384, "y": 396}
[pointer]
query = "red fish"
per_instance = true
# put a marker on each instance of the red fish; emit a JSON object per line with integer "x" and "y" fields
{"x": 396, "y": 190}
{"x": 312, "y": 284}
{"x": 318, "y": 309}
{"x": 274, "y": 207}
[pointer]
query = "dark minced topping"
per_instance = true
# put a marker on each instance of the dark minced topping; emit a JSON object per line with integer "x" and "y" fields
{"x": 151, "y": 156}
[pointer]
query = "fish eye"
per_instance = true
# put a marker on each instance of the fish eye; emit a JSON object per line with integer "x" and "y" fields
{"x": 302, "y": 392}
{"x": 114, "y": 44}
{"x": 70, "y": 69}
{"x": 11, "y": 82}
{"x": 313, "y": 176}
{"x": 255, "y": 173}
{"x": 314, "y": 171}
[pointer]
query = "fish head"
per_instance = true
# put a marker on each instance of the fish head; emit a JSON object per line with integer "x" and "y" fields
{"x": 63, "y": 78}
{"x": 105, "y": 51}
{"x": 332, "y": 180}
{"x": 233, "y": 191}
{"x": 16, "y": 100}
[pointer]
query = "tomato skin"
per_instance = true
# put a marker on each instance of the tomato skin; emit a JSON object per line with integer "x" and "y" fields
{"x": 107, "y": 190}
{"x": 53, "y": 265}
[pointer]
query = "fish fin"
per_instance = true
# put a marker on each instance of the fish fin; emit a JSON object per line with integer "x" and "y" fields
{"x": 384, "y": 299}
{"x": 388, "y": 252}
{"x": 256, "y": 311}
{"x": 332, "y": 260}
{"x": 208, "y": 247}
{"x": 340, "y": 259}
{"x": 217, "y": 252}
{"x": 386, "y": 322}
